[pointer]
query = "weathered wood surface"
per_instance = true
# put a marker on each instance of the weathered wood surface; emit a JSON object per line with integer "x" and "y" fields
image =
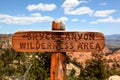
{"x": 58, "y": 66}
{"x": 58, "y": 59}
{"x": 58, "y": 41}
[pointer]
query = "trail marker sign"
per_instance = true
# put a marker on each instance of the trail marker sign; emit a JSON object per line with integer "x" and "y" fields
{"x": 58, "y": 41}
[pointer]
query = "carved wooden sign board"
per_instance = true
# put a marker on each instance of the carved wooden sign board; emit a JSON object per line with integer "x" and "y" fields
{"x": 58, "y": 41}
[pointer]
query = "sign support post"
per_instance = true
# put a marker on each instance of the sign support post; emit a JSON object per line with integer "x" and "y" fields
{"x": 58, "y": 59}
{"x": 58, "y": 42}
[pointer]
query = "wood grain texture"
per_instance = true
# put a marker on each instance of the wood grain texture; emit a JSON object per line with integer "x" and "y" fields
{"x": 58, "y": 66}
{"x": 58, "y": 60}
{"x": 58, "y": 41}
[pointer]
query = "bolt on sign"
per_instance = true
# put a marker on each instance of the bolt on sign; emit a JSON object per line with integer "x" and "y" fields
{"x": 58, "y": 41}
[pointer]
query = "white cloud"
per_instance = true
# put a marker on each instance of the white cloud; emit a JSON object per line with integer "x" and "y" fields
{"x": 104, "y": 13}
{"x": 82, "y": 20}
{"x": 103, "y": 4}
{"x": 63, "y": 19}
{"x": 33, "y": 18}
{"x": 74, "y": 20}
{"x": 109, "y": 19}
{"x": 35, "y": 14}
{"x": 71, "y": 7}
{"x": 70, "y": 4}
{"x": 80, "y": 11}
{"x": 41, "y": 6}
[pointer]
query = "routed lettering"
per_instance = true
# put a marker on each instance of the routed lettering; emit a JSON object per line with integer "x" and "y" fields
{"x": 92, "y": 36}
{"x": 66, "y": 36}
{"x": 97, "y": 46}
{"x": 58, "y": 41}
{"x": 49, "y": 45}
{"x": 35, "y": 36}
{"x": 91, "y": 45}
{"x": 37, "y": 45}
{"x": 41, "y": 36}
{"x": 43, "y": 46}
{"x": 28, "y": 36}
{"x": 28, "y": 47}
{"x": 47, "y": 36}
{"x": 23, "y": 46}
{"x": 79, "y": 36}
{"x": 86, "y": 45}
{"x": 80, "y": 46}
{"x": 86, "y": 37}
{"x": 66, "y": 45}
{"x": 31, "y": 46}
{"x": 74, "y": 36}
{"x": 71, "y": 45}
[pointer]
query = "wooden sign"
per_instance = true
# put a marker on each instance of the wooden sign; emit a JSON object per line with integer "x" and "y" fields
{"x": 58, "y": 41}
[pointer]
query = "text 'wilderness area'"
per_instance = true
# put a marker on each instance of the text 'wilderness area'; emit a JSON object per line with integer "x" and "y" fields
{"x": 50, "y": 41}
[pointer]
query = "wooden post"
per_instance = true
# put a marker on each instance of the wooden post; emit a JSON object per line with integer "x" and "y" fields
{"x": 58, "y": 59}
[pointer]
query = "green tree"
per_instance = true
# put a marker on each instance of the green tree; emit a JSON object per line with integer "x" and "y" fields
{"x": 72, "y": 73}
{"x": 95, "y": 68}
{"x": 21, "y": 66}
{"x": 40, "y": 69}
{"x": 10, "y": 63}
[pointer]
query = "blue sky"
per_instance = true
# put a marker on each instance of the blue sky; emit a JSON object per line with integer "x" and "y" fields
{"x": 78, "y": 15}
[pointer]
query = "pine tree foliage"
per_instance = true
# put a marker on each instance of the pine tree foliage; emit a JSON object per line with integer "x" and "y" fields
{"x": 24, "y": 66}
{"x": 36, "y": 66}
{"x": 12, "y": 63}
{"x": 41, "y": 67}
{"x": 95, "y": 68}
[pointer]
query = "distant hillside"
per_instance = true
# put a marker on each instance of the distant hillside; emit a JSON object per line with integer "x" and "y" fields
{"x": 114, "y": 36}
{"x": 113, "y": 40}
